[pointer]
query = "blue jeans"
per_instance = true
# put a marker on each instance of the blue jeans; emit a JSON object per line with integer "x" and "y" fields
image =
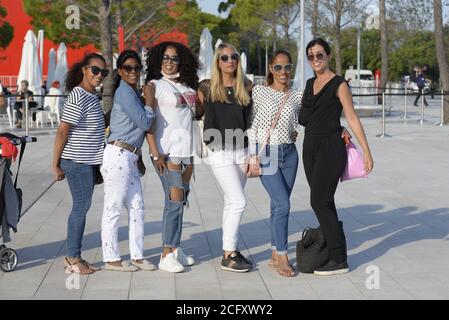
{"x": 81, "y": 180}
{"x": 279, "y": 185}
{"x": 173, "y": 210}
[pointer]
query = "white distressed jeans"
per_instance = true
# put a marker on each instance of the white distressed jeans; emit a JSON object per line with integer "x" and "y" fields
{"x": 122, "y": 189}
{"x": 228, "y": 168}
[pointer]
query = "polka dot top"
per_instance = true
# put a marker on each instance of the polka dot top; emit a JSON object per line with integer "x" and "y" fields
{"x": 266, "y": 103}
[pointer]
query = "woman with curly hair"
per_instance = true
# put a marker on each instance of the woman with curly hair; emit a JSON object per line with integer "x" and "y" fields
{"x": 172, "y": 72}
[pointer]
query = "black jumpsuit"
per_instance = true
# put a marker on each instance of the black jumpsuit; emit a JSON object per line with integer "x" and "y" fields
{"x": 324, "y": 157}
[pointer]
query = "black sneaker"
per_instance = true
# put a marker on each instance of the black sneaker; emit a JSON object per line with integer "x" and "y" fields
{"x": 235, "y": 262}
{"x": 332, "y": 268}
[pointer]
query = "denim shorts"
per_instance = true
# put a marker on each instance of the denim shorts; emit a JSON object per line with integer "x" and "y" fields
{"x": 184, "y": 162}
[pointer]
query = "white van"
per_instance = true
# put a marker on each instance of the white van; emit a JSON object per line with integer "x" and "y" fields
{"x": 366, "y": 78}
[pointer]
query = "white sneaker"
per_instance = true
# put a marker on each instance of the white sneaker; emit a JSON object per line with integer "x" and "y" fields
{"x": 170, "y": 264}
{"x": 183, "y": 259}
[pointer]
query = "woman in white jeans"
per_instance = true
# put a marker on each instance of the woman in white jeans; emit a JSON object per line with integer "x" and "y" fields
{"x": 130, "y": 121}
{"x": 226, "y": 101}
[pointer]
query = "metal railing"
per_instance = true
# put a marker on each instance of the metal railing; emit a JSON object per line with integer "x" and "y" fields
{"x": 11, "y": 109}
{"x": 373, "y": 96}
{"x": 385, "y": 96}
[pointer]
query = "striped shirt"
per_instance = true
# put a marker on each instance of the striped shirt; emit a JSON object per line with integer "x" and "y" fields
{"x": 85, "y": 142}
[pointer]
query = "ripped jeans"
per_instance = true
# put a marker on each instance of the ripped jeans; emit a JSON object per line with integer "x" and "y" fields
{"x": 174, "y": 210}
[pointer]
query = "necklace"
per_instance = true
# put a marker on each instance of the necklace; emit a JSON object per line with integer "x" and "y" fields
{"x": 229, "y": 90}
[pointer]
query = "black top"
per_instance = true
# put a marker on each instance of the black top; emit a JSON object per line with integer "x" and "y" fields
{"x": 221, "y": 116}
{"x": 28, "y": 93}
{"x": 320, "y": 114}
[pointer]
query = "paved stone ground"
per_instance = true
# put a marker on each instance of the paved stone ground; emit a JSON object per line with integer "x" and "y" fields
{"x": 396, "y": 222}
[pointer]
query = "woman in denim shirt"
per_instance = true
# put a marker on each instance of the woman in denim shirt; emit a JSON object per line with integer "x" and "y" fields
{"x": 131, "y": 119}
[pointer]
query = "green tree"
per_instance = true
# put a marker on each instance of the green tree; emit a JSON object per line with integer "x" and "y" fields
{"x": 190, "y": 19}
{"x": 334, "y": 16}
{"x": 97, "y": 25}
{"x": 258, "y": 23}
{"x": 6, "y": 30}
{"x": 441, "y": 53}
{"x": 370, "y": 49}
{"x": 416, "y": 49}
{"x": 252, "y": 29}
{"x": 384, "y": 58}
{"x": 412, "y": 14}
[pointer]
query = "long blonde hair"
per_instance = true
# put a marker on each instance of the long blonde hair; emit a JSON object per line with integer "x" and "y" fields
{"x": 217, "y": 89}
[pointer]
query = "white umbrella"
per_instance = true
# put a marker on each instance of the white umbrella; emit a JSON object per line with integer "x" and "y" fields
{"x": 40, "y": 45}
{"x": 61, "y": 66}
{"x": 219, "y": 41}
{"x": 206, "y": 56}
{"x": 308, "y": 70}
{"x": 29, "y": 67}
{"x": 51, "y": 67}
{"x": 244, "y": 61}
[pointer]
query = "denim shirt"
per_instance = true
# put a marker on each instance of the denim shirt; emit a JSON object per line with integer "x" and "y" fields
{"x": 130, "y": 118}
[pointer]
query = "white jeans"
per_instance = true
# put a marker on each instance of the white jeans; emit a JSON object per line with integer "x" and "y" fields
{"x": 122, "y": 188}
{"x": 229, "y": 170}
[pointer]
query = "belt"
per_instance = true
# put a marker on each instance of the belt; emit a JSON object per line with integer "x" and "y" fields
{"x": 126, "y": 146}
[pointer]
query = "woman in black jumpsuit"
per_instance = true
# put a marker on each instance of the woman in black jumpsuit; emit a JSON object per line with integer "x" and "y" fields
{"x": 324, "y": 152}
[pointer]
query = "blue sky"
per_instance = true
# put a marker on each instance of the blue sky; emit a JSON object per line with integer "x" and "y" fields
{"x": 209, "y": 6}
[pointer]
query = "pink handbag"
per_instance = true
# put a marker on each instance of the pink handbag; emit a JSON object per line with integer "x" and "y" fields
{"x": 355, "y": 166}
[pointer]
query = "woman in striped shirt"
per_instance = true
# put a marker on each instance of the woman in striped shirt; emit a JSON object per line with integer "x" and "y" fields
{"x": 78, "y": 150}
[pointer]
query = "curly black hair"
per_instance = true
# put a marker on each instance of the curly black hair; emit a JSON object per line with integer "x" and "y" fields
{"x": 188, "y": 67}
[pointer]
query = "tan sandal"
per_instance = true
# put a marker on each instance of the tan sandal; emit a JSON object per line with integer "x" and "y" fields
{"x": 282, "y": 272}
{"x": 286, "y": 272}
{"x": 74, "y": 267}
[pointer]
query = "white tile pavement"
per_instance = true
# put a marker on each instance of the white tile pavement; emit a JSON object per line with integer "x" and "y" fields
{"x": 396, "y": 221}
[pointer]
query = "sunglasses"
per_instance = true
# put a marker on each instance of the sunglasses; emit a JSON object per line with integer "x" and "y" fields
{"x": 225, "y": 57}
{"x": 319, "y": 56}
{"x": 278, "y": 68}
{"x": 96, "y": 70}
{"x": 173, "y": 59}
{"x": 130, "y": 69}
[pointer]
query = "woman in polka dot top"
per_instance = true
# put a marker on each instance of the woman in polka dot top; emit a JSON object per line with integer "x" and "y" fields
{"x": 279, "y": 157}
